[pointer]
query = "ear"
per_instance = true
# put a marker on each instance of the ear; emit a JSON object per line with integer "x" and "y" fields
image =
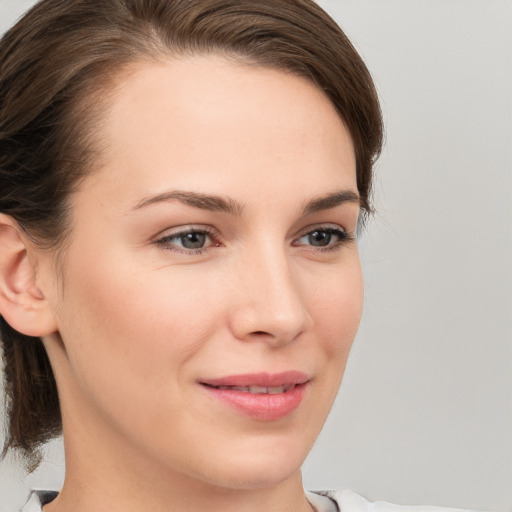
{"x": 22, "y": 304}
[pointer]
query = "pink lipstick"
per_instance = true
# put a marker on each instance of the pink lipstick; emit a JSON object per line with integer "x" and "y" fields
{"x": 262, "y": 396}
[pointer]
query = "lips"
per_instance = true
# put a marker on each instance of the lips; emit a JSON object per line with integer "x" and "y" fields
{"x": 261, "y": 396}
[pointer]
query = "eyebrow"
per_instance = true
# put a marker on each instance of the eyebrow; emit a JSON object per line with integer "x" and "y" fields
{"x": 331, "y": 200}
{"x": 203, "y": 201}
{"x": 233, "y": 207}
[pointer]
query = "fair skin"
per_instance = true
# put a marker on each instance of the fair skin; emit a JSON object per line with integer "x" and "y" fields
{"x": 162, "y": 293}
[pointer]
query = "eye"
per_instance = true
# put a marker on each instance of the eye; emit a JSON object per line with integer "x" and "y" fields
{"x": 194, "y": 240}
{"x": 190, "y": 240}
{"x": 325, "y": 238}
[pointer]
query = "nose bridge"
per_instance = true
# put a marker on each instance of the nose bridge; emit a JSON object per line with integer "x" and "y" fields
{"x": 272, "y": 304}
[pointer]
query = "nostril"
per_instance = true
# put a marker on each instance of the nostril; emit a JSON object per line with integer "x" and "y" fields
{"x": 277, "y": 320}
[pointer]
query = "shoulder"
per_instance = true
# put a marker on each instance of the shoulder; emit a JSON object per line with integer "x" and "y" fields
{"x": 37, "y": 499}
{"x": 351, "y": 502}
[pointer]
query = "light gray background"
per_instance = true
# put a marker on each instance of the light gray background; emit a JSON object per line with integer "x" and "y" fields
{"x": 425, "y": 411}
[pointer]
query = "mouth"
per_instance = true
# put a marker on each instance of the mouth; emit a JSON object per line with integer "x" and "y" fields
{"x": 262, "y": 396}
{"x": 257, "y": 390}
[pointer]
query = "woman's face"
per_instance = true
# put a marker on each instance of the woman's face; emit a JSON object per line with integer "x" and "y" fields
{"x": 211, "y": 288}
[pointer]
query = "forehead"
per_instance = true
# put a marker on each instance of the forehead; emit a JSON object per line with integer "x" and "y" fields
{"x": 208, "y": 120}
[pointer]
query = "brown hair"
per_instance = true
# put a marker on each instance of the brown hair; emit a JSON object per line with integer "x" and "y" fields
{"x": 56, "y": 65}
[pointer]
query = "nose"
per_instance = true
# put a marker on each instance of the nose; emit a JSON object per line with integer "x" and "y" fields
{"x": 271, "y": 305}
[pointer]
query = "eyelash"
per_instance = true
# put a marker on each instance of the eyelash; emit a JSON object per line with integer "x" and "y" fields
{"x": 344, "y": 237}
{"x": 164, "y": 242}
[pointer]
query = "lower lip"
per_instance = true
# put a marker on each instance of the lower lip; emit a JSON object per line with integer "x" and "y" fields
{"x": 261, "y": 406}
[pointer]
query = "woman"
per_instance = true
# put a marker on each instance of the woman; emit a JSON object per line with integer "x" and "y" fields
{"x": 181, "y": 187}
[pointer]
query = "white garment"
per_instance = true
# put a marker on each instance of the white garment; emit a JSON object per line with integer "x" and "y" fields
{"x": 348, "y": 501}
{"x": 329, "y": 501}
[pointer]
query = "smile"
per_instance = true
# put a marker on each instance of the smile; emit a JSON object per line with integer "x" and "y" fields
{"x": 262, "y": 396}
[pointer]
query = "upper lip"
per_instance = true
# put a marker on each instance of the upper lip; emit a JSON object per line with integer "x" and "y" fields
{"x": 262, "y": 379}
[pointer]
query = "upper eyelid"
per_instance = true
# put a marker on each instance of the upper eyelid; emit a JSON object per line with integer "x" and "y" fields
{"x": 324, "y": 228}
{"x": 320, "y": 227}
{"x": 183, "y": 230}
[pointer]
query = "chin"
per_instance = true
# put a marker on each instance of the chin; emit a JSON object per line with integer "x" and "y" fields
{"x": 258, "y": 467}
{"x": 252, "y": 478}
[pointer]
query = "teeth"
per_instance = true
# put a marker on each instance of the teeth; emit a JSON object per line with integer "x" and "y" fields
{"x": 259, "y": 390}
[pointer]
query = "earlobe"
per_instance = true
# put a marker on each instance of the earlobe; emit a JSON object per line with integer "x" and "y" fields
{"x": 22, "y": 304}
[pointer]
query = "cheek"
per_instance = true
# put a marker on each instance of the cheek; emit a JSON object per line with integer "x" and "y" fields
{"x": 138, "y": 326}
{"x": 138, "y": 329}
{"x": 338, "y": 307}
{"x": 137, "y": 319}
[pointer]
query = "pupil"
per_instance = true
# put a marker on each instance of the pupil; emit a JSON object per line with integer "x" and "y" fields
{"x": 193, "y": 240}
{"x": 319, "y": 238}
